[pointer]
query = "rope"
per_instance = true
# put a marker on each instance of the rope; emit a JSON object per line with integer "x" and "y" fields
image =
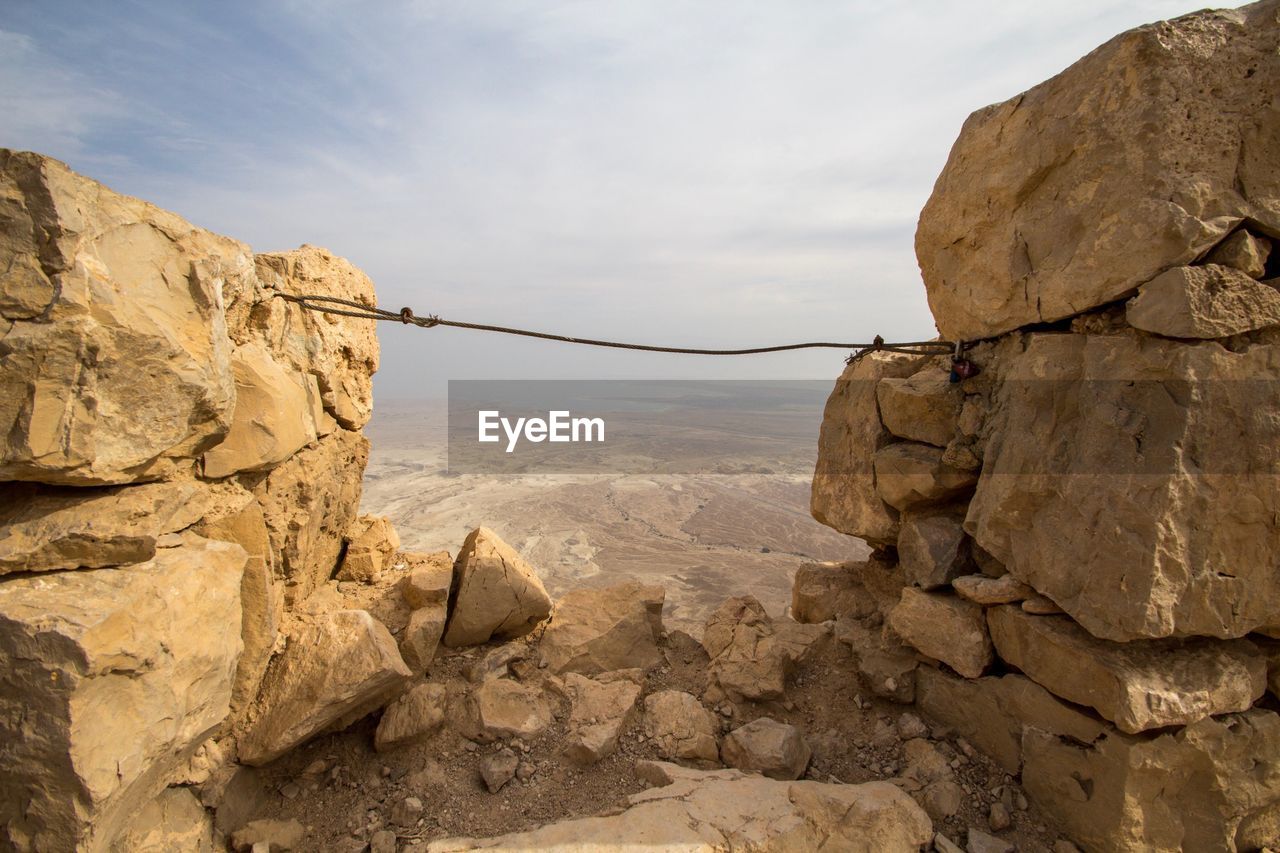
{"x": 325, "y": 305}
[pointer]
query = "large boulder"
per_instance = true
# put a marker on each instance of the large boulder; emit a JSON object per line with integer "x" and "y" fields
{"x": 114, "y": 355}
{"x": 1141, "y": 685}
{"x": 109, "y": 681}
{"x": 497, "y": 595}
{"x": 601, "y": 630}
{"x": 1139, "y": 157}
{"x": 844, "y": 492}
{"x": 309, "y": 502}
{"x": 45, "y": 528}
{"x": 726, "y": 810}
{"x": 335, "y": 669}
{"x": 1141, "y": 466}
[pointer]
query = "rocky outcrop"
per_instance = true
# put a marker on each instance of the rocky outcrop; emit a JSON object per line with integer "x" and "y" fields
{"x": 496, "y": 593}
{"x": 606, "y": 629}
{"x": 727, "y": 810}
{"x": 1020, "y": 228}
{"x": 45, "y": 529}
{"x": 109, "y": 680}
{"x": 844, "y": 492}
{"x": 1124, "y": 462}
{"x": 117, "y": 365}
{"x": 1101, "y": 491}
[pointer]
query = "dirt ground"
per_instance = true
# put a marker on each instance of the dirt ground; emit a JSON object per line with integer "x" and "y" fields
{"x": 343, "y": 791}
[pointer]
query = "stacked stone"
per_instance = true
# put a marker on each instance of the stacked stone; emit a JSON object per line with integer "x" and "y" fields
{"x": 1083, "y": 541}
{"x": 181, "y": 460}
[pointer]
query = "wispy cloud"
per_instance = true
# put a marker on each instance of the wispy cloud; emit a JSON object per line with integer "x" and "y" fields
{"x": 715, "y": 172}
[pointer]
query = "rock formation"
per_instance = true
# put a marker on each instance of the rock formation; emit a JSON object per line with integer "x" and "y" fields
{"x": 1094, "y": 518}
{"x": 182, "y": 459}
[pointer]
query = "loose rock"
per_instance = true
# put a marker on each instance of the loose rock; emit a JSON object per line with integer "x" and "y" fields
{"x": 413, "y": 717}
{"x": 1203, "y": 302}
{"x": 766, "y": 746}
{"x": 499, "y": 595}
{"x": 605, "y": 629}
{"x": 499, "y": 769}
{"x": 912, "y": 476}
{"x": 680, "y": 727}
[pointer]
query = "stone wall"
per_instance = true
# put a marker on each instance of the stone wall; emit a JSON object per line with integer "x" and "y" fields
{"x": 1082, "y": 543}
{"x": 180, "y": 462}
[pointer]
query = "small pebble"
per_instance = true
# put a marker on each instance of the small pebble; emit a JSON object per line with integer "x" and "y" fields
{"x": 998, "y": 819}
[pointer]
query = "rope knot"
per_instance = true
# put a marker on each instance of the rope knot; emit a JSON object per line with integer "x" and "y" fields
{"x": 406, "y": 315}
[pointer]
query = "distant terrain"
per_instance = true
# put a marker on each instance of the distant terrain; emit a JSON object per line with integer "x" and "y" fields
{"x": 703, "y": 536}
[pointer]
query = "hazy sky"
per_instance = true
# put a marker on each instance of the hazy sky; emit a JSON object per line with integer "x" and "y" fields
{"x": 703, "y": 173}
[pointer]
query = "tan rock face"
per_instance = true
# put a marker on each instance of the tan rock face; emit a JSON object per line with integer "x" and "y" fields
{"x": 412, "y": 717}
{"x": 747, "y": 658}
{"x": 601, "y": 630}
{"x": 993, "y": 713}
{"x": 598, "y": 712}
{"x": 273, "y": 416}
{"x": 500, "y": 708}
{"x": 984, "y": 590}
{"x": 173, "y": 820}
{"x": 844, "y": 492}
{"x": 1139, "y": 685}
{"x": 924, "y": 407}
{"x": 422, "y": 636}
{"x": 116, "y": 356}
{"x": 428, "y": 579}
{"x": 945, "y": 628}
{"x": 1201, "y": 788}
{"x": 911, "y": 476}
{"x": 261, "y": 592}
{"x": 1203, "y": 302}
{"x": 765, "y": 746}
{"x": 726, "y": 810}
{"x": 1109, "y": 470}
{"x": 372, "y": 543}
{"x": 680, "y": 727}
{"x": 109, "y": 680}
{"x": 309, "y": 502}
{"x": 933, "y": 548}
{"x": 335, "y": 669}
{"x": 49, "y": 528}
{"x": 341, "y": 354}
{"x": 499, "y": 595}
{"x": 1178, "y": 116}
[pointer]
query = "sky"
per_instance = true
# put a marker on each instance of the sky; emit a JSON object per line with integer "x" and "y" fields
{"x": 721, "y": 173}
